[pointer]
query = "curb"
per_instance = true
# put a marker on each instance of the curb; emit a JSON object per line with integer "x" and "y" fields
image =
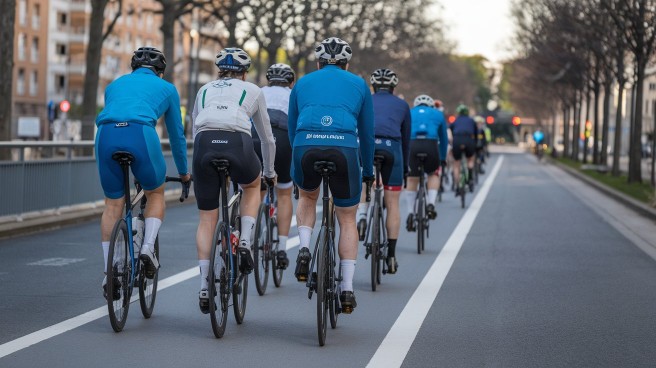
{"x": 72, "y": 216}
{"x": 635, "y": 205}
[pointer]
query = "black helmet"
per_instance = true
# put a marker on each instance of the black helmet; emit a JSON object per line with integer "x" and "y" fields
{"x": 384, "y": 78}
{"x": 149, "y": 57}
{"x": 280, "y": 73}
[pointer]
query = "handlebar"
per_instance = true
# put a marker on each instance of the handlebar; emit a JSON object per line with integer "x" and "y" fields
{"x": 368, "y": 196}
{"x": 185, "y": 186}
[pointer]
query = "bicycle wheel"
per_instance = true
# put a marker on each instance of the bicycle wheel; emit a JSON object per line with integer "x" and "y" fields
{"x": 261, "y": 250}
{"x": 375, "y": 245}
{"x": 276, "y": 271}
{"x": 421, "y": 207}
{"x": 381, "y": 256}
{"x": 119, "y": 273}
{"x": 322, "y": 286}
{"x": 148, "y": 287}
{"x": 218, "y": 287}
{"x": 333, "y": 299}
{"x": 239, "y": 291}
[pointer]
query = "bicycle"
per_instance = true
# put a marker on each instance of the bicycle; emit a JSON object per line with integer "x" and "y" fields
{"x": 421, "y": 219}
{"x": 376, "y": 233}
{"x": 462, "y": 183}
{"x": 225, "y": 277}
{"x": 124, "y": 270}
{"x": 265, "y": 245}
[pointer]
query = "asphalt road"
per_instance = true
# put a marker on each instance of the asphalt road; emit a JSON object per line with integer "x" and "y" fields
{"x": 537, "y": 271}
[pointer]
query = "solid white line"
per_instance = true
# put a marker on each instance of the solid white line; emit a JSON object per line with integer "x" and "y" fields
{"x": 394, "y": 348}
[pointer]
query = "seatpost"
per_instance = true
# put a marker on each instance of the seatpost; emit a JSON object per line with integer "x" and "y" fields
{"x": 326, "y": 198}
{"x": 224, "y": 194}
{"x": 126, "y": 185}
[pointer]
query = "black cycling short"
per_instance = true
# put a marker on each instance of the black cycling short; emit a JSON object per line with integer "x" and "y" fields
{"x": 345, "y": 183}
{"x": 432, "y": 161}
{"x": 463, "y": 144}
{"x": 283, "y": 161}
{"x": 235, "y": 147}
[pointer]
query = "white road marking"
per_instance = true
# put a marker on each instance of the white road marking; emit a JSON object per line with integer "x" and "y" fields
{"x": 57, "y": 262}
{"x": 394, "y": 348}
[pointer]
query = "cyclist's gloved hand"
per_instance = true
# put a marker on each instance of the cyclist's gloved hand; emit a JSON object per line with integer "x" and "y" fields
{"x": 185, "y": 178}
{"x": 368, "y": 179}
{"x": 443, "y": 163}
{"x": 270, "y": 181}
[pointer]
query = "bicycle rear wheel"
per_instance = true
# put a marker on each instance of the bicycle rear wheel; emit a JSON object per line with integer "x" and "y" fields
{"x": 421, "y": 207}
{"x": 322, "y": 286}
{"x": 148, "y": 287}
{"x": 381, "y": 257}
{"x": 375, "y": 245}
{"x": 261, "y": 250}
{"x": 119, "y": 274}
{"x": 239, "y": 291}
{"x": 218, "y": 287}
{"x": 276, "y": 271}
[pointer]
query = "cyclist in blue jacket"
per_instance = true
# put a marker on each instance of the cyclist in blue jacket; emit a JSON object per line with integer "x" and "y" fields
{"x": 464, "y": 142}
{"x": 133, "y": 103}
{"x": 392, "y": 131}
{"x": 428, "y": 136}
{"x": 331, "y": 118}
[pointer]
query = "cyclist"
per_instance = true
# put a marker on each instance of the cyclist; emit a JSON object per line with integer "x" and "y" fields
{"x": 281, "y": 78}
{"x": 481, "y": 142}
{"x": 392, "y": 132}
{"x": 222, "y": 118}
{"x": 538, "y": 137}
{"x": 329, "y": 110}
{"x": 428, "y": 136}
{"x": 464, "y": 141}
{"x": 133, "y": 103}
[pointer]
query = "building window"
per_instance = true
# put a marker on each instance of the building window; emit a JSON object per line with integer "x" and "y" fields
{"x": 60, "y": 49}
{"x": 36, "y": 16}
{"x": 22, "y": 40}
{"x": 20, "y": 82}
{"x": 34, "y": 53}
{"x": 62, "y": 20}
{"x": 22, "y": 12}
{"x": 60, "y": 83}
{"x": 34, "y": 83}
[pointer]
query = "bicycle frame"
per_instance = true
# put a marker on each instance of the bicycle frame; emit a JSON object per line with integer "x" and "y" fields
{"x": 228, "y": 214}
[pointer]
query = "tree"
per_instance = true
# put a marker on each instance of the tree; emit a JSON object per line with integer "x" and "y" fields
{"x": 7, "y": 19}
{"x": 171, "y": 11}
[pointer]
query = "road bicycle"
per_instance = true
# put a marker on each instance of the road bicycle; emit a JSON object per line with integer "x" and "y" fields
{"x": 375, "y": 239}
{"x": 226, "y": 278}
{"x": 125, "y": 269}
{"x": 421, "y": 218}
{"x": 265, "y": 244}
{"x": 463, "y": 182}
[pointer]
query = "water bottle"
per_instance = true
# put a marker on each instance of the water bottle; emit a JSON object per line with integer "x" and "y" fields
{"x": 137, "y": 233}
{"x": 234, "y": 241}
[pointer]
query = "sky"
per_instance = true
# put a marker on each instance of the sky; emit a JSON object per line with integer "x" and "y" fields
{"x": 479, "y": 27}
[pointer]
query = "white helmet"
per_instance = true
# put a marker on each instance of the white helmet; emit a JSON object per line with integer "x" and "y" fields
{"x": 384, "y": 77}
{"x": 424, "y": 100}
{"x": 333, "y": 51}
{"x": 233, "y": 58}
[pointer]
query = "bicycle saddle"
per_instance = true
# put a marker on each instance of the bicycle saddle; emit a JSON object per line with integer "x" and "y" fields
{"x": 379, "y": 159}
{"x": 123, "y": 157}
{"x": 422, "y": 156}
{"x": 327, "y": 167}
{"x": 220, "y": 164}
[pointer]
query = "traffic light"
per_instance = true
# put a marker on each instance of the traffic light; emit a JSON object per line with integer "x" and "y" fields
{"x": 489, "y": 120}
{"x": 64, "y": 106}
{"x": 516, "y": 120}
{"x": 452, "y": 118}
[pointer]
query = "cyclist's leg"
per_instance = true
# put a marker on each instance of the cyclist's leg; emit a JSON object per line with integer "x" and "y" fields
{"x": 392, "y": 176}
{"x": 283, "y": 163}
{"x": 457, "y": 153}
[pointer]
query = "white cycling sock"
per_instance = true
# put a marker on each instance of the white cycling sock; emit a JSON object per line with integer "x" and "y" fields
{"x": 204, "y": 265}
{"x": 150, "y": 232}
{"x": 305, "y": 234}
{"x": 282, "y": 242}
{"x": 362, "y": 211}
{"x": 432, "y": 196}
{"x": 410, "y": 200}
{"x": 105, "y": 248}
{"x": 247, "y": 224}
{"x": 348, "y": 269}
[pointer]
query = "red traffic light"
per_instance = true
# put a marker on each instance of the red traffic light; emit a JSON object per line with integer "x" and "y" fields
{"x": 489, "y": 120}
{"x": 64, "y": 106}
{"x": 451, "y": 119}
{"x": 516, "y": 120}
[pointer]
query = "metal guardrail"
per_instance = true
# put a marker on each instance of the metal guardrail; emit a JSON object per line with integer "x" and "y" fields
{"x": 44, "y": 185}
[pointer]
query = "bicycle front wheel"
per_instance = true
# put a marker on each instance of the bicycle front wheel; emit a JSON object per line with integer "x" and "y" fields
{"x": 275, "y": 247}
{"x": 322, "y": 286}
{"x": 119, "y": 274}
{"x": 261, "y": 250}
{"x": 218, "y": 280}
{"x": 148, "y": 287}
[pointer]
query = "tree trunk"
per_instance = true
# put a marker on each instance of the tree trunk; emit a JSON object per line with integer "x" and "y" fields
{"x": 554, "y": 129}
{"x": 603, "y": 156}
{"x": 92, "y": 76}
{"x": 617, "y": 145}
{"x": 586, "y": 132}
{"x": 7, "y": 20}
{"x": 576, "y": 132}
{"x": 595, "y": 132}
{"x": 635, "y": 155}
{"x": 169, "y": 15}
{"x": 566, "y": 131}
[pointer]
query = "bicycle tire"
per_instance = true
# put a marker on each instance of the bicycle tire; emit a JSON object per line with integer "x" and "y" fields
{"x": 119, "y": 266}
{"x": 322, "y": 289}
{"x": 218, "y": 286}
{"x": 148, "y": 287}
{"x": 276, "y": 272}
{"x": 375, "y": 244}
{"x": 333, "y": 299}
{"x": 421, "y": 206}
{"x": 239, "y": 292}
{"x": 261, "y": 250}
{"x": 381, "y": 256}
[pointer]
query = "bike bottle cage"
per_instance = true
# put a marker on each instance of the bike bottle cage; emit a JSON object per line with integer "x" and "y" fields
{"x": 422, "y": 156}
{"x": 220, "y": 164}
{"x": 123, "y": 157}
{"x": 325, "y": 167}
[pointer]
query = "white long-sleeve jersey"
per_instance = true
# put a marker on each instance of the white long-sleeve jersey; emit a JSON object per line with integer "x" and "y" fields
{"x": 230, "y": 104}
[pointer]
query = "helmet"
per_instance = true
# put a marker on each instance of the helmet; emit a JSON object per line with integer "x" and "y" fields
{"x": 462, "y": 110}
{"x": 149, "y": 57}
{"x": 479, "y": 119}
{"x": 424, "y": 100}
{"x": 333, "y": 51}
{"x": 384, "y": 78}
{"x": 280, "y": 73}
{"x": 233, "y": 58}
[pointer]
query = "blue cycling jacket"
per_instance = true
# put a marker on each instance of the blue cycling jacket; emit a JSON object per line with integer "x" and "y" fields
{"x": 430, "y": 123}
{"x": 538, "y": 136}
{"x": 464, "y": 125}
{"x": 333, "y": 107}
{"x": 142, "y": 97}
{"x": 392, "y": 120}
